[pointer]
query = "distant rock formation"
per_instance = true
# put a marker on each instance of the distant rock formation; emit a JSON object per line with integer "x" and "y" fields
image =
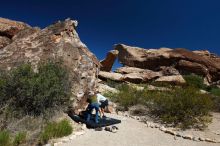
{"x": 185, "y": 61}
{"x": 165, "y": 64}
{"x": 21, "y": 43}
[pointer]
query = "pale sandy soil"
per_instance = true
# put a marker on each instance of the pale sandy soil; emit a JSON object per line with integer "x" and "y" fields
{"x": 134, "y": 133}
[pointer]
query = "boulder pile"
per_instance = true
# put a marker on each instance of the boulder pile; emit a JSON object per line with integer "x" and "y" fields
{"x": 162, "y": 65}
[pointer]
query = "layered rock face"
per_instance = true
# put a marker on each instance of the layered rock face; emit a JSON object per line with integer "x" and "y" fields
{"x": 165, "y": 64}
{"x": 8, "y": 29}
{"x": 58, "y": 42}
{"x": 198, "y": 62}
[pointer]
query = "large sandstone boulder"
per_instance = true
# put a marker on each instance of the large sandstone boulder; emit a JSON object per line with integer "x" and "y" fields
{"x": 59, "y": 42}
{"x": 127, "y": 70}
{"x": 168, "y": 71}
{"x": 130, "y": 74}
{"x": 137, "y": 75}
{"x": 192, "y": 67}
{"x": 111, "y": 76}
{"x": 153, "y": 59}
{"x": 134, "y": 77}
{"x": 108, "y": 62}
{"x": 103, "y": 88}
{"x": 176, "y": 79}
{"x": 9, "y": 28}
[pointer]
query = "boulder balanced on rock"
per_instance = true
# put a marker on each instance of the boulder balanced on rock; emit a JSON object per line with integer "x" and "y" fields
{"x": 185, "y": 61}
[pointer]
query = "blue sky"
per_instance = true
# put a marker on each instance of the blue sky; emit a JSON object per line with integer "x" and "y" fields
{"x": 191, "y": 24}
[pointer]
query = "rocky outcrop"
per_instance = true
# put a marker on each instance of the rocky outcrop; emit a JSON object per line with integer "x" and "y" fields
{"x": 141, "y": 58}
{"x": 59, "y": 42}
{"x": 168, "y": 70}
{"x": 192, "y": 67}
{"x": 103, "y": 88}
{"x": 9, "y": 28}
{"x": 183, "y": 61}
{"x": 4, "y": 41}
{"x": 111, "y": 76}
{"x": 127, "y": 70}
{"x": 176, "y": 79}
{"x": 133, "y": 77}
{"x": 108, "y": 62}
{"x": 137, "y": 75}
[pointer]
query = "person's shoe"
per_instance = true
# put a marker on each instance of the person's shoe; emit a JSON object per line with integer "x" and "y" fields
{"x": 98, "y": 129}
{"x": 114, "y": 129}
{"x": 107, "y": 128}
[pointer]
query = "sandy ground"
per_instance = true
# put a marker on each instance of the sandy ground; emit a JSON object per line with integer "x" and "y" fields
{"x": 131, "y": 133}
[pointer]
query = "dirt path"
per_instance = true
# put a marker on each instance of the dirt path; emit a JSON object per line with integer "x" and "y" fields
{"x": 131, "y": 133}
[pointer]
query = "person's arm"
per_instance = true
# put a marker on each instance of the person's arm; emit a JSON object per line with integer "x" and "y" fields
{"x": 103, "y": 111}
{"x": 100, "y": 112}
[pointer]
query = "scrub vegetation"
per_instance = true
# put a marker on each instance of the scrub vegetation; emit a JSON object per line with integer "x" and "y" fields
{"x": 181, "y": 106}
{"x": 32, "y": 99}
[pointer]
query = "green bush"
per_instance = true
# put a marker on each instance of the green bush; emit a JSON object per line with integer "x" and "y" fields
{"x": 4, "y": 138}
{"x": 194, "y": 81}
{"x": 56, "y": 130}
{"x": 3, "y": 89}
{"x": 112, "y": 83}
{"x": 19, "y": 138}
{"x": 182, "y": 107}
{"x": 216, "y": 92}
{"x": 34, "y": 93}
{"x": 127, "y": 96}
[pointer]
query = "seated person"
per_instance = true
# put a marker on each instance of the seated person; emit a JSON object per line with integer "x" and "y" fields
{"x": 103, "y": 102}
{"x": 93, "y": 104}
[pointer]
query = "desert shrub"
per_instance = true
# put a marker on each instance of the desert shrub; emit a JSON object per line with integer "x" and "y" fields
{"x": 194, "y": 81}
{"x": 3, "y": 88}
{"x": 161, "y": 84}
{"x": 19, "y": 138}
{"x": 127, "y": 96}
{"x": 56, "y": 130}
{"x": 112, "y": 83}
{"x": 183, "y": 107}
{"x": 4, "y": 138}
{"x": 215, "y": 91}
{"x": 33, "y": 93}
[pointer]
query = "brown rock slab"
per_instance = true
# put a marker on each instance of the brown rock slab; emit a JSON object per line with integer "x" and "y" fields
{"x": 176, "y": 79}
{"x": 9, "y": 28}
{"x": 192, "y": 67}
{"x": 107, "y": 63}
{"x": 178, "y": 58}
{"x": 110, "y": 75}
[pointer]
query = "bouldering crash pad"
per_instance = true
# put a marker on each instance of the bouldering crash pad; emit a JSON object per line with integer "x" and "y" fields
{"x": 106, "y": 121}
